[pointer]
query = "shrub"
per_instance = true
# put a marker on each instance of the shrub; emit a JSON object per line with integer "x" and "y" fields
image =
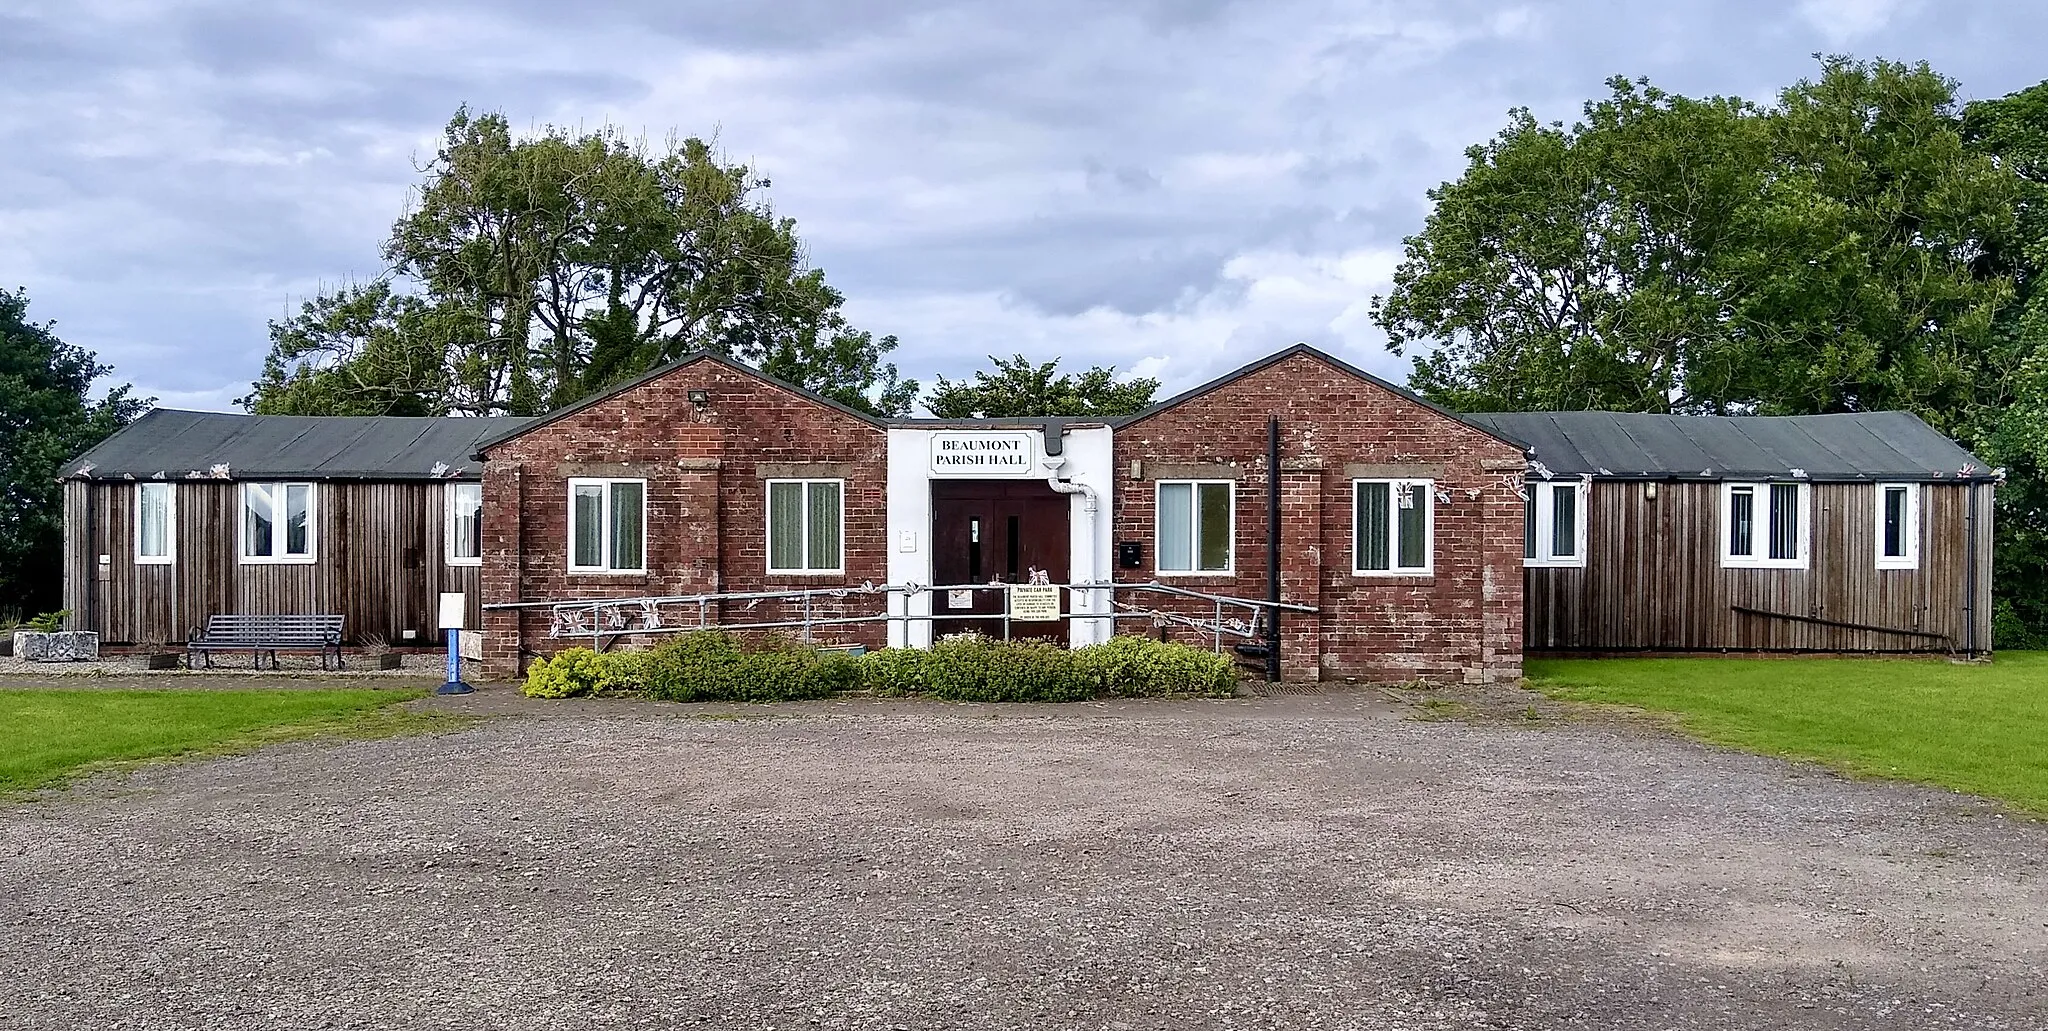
{"x": 893, "y": 672}
{"x": 708, "y": 665}
{"x": 1134, "y": 667}
{"x": 954, "y": 667}
{"x": 835, "y": 672}
{"x": 572, "y": 672}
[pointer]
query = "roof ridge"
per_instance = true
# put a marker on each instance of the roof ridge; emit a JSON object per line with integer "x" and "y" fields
{"x": 1304, "y": 348}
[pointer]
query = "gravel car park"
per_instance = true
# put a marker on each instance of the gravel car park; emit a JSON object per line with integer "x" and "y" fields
{"x": 1293, "y": 862}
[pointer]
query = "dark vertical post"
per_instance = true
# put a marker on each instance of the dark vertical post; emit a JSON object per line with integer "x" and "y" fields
{"x": 1273, "y": 548}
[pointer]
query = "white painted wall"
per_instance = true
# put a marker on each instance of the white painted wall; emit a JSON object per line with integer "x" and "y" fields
{"x": 910, "y": 524}
{"x": 1087, "y": 459}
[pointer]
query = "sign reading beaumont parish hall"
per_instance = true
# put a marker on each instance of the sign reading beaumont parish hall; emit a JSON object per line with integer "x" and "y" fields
{"x": 984, "y": 454}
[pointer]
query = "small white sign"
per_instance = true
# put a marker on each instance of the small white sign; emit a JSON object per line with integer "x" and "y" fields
{"x": 906, "y": 541}
{"x": 1034, "y": 603}
{"x": 984, "y": 454}
{"x": 959, "y": 599}
{"x": 454, "y": 607}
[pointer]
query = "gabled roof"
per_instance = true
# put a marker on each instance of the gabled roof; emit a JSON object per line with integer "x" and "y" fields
{"x": 171, "y": 444}
{"x": 1849, "y": 447}
{"x": 1335, "y": 362}
{"x": 694, "y": 356}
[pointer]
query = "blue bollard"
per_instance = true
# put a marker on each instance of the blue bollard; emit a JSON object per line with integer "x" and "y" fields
{"x": 455, "y": 684}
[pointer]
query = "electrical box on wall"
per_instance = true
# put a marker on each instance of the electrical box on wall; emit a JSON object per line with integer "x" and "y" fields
{"x": 1130, "y": 554}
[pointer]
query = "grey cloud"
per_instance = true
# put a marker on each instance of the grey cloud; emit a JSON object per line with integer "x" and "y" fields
{"x": 174, "y": 177}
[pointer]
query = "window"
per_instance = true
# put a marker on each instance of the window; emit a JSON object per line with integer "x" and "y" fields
{"x": 1391, "y": 527}
{"x": 1765, "y": 524}
{"x": 277, "y": 522}
{"x": 156, "y": 514}
{"x": 806, "y": 531}
{"x": 1554, "y": 524}
{"x": 465, "y": 531}
{"x": 1898, "y": 526}
{"x": 607, "y": 526}
{"x": 1193, "y": 526}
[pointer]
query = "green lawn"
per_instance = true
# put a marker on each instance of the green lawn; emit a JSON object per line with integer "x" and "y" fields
{"x": 1981, "y": 729}
{"x": 48, "y": 735}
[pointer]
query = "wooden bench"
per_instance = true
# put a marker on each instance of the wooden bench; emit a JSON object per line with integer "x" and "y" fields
{"x": 265, "y": 635}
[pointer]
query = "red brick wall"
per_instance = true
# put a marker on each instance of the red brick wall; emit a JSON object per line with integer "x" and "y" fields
{"x": 706, "y": 503}
{"x": 1462, "y": 622}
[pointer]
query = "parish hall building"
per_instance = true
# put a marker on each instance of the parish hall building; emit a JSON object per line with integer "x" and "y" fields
{"x": 1318, "y": 521}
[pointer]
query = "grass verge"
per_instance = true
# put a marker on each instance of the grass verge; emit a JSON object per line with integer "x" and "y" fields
{"x": 1977, "y": 728}
{"x": 50, "y": 736}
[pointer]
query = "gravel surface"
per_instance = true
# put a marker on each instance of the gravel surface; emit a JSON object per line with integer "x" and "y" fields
{"x": 1296, "y": 862}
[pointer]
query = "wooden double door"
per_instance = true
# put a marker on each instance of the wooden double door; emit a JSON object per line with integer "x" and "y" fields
{"x": 996, "y": 532}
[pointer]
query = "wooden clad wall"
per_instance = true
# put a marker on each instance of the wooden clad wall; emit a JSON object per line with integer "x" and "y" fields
{"x": 1654, "y": 582}
{"x": 379, "y": 561}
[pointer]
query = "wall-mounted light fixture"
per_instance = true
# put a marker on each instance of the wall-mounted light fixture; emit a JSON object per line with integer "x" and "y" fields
{"x": 701, "y": 398}
{"x": 1650, "y": 490}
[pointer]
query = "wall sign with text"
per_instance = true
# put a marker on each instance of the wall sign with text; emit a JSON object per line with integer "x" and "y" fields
{"x": 984, "y": 455}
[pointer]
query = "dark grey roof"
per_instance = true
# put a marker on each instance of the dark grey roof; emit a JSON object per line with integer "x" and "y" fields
{"x": 177, "y": 445}
{"x": 1859, "y": 446}
{"x": 1334, "y": 362}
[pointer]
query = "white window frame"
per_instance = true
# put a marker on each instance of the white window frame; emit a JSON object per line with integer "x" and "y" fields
{"x": 448, "y": 509}
{"x": 278, "y": 556}
{"x": 1195, "y": 529}
{"x": 803, "y": 529}
{"x": 170, "y": 554}
{"x": 1540, "y": 497}
{"x": 604, "y": 537}
{"x": 1911, "y": 559}
{"x": 1760, "y": 520}
{"x": 1427, "y": 489}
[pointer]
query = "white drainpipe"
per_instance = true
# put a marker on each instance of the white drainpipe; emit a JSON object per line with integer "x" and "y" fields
{"x": 1091, "y": 507}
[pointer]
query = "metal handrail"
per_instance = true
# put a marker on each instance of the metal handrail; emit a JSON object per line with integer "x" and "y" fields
{"x": 612, "y": 617}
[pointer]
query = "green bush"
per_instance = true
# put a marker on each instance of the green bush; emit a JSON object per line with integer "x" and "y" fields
{"x": 572, "y": 672}
{"x": 712, "y": 666}
{"x": 893, "y": 672}
{"x": 1138, "y": 667}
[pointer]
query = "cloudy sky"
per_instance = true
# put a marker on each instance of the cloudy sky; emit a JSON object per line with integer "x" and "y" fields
{"x": 1171, "y": 186}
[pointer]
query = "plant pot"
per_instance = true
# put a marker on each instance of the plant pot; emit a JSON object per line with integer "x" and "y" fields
{"x": 6, "y": 646}
{"x": 163, "y": 660}
{"x": 389, "y": 660}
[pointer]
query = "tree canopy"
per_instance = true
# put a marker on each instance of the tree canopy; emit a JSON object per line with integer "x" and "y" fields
{"x": 1863, "y": 243}
{"x": 529, "y": 272}
{"x": 2013, "y": 430}
{"x": 47, "y": 416}
{"x": 1020, "y": 388}
{"x": 1673, "y": 254}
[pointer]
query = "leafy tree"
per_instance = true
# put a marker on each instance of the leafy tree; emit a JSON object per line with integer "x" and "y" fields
{"x": 1866, "y": 283}
{"x": 46, "y": 419}
{"x": 1667, "y": 254}
{"x": 361, "y": 350}
{"x": 2013, "y": 131}
{"x": 539, "y": 270}
{"x": 1585, "y": 267}
{"x": 1021, "y": 389}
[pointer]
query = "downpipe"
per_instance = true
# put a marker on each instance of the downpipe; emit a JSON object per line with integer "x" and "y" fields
{"x": 1091, "y": 509}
